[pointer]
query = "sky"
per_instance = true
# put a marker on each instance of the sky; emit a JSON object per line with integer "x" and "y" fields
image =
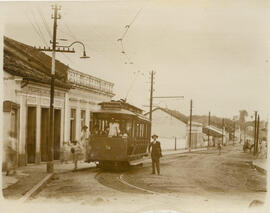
{"x": 215, "y": 52}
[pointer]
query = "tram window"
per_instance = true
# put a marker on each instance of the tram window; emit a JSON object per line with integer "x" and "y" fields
{"x": 145, "y": 131}
{"x": 137, "y": 130}
{"x": 102, "y": 127}
{"x": 141, "y": 130}
{"x": 129, "y": 128}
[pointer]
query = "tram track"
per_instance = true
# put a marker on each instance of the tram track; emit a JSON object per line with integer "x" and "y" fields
{"x": 118, "y": 181}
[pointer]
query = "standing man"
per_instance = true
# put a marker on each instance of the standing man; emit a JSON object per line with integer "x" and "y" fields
{"x": 155, "y": 154}
{"x": 219, "y": 148}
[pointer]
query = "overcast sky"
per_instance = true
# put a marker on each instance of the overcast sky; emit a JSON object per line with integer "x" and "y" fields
{"x": 215, "y": 52}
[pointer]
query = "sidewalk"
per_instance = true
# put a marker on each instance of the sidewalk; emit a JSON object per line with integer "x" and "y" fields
{"x": 26, "y": 178}
{"x": 172, "y": 152}
{"x": 30, "y": 179}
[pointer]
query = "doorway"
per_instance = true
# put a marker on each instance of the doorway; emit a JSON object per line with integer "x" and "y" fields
{"x": 57, "y": 130}
{"x": 44, "y": 135}
{"x": 45, "y": 130}
{"x": 31, "y": 135}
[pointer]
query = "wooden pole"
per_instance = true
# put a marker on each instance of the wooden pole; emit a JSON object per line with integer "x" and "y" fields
{"x": 190, "y": 125}
{"x": 209, "y": 115}
{"x": 255, "y": 133}
{"x": 50, "y": 166}
{"x": 151, "y": 101}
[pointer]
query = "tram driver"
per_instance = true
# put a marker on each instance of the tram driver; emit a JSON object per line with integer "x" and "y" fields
{"x": 113, "y": 128}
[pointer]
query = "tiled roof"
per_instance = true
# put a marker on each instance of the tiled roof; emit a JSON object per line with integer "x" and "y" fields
{"x": 27, "y": 62}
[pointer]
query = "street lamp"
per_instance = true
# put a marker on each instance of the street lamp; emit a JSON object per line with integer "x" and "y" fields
{"x": 76, "y": 42}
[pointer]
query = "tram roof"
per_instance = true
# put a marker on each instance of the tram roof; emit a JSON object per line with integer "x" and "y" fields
{"x": 121, "y": 104}
{"x": 120, "y": 111}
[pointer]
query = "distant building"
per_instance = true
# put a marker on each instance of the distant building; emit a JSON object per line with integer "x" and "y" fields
{"x": 26, "y": 99}
{"x": 196, "y": 135}
{"x": 215, "y": 135}
{"x": 171, "y": 127}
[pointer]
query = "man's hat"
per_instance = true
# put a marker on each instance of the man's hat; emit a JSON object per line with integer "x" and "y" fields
{"x": 154, "y": 136}
{"x": 85, "y": 127}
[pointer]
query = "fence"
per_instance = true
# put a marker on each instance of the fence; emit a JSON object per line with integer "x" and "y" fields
{"x": 172, "y": 143}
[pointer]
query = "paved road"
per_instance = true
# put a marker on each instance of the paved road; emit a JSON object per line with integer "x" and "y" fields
{"x": 220, "y": 182}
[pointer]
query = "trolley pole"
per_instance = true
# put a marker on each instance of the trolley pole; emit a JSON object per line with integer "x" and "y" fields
{"x": 190, "y": 125}
{"x": 255, "y": 133}
{"x": 209, "y": 115}
{"x": 151, "y": 100}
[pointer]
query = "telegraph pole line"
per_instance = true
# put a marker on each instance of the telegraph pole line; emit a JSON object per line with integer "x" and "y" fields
{"x": 190, "y": 125}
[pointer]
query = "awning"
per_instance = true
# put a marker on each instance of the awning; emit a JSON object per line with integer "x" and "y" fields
{"x": 213, "y": 131}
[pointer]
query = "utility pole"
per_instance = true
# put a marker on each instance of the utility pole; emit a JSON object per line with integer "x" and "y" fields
{"x": 233, "y": 131}
{"x": 255, "y": 133}
{"x": 50, "y": 166}
{"x": 209, "y": 115}
{"x": 222, "y": 131}
{"x": 151, "y": 100}
{"x": 55, "y": 16}
{"x": 190, "y": 125}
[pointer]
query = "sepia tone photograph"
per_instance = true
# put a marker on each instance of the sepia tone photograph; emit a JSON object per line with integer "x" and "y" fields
{"x": 134, "y": 106}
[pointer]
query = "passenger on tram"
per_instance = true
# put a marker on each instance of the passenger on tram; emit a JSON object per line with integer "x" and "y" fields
{"x": 113, "y": 128}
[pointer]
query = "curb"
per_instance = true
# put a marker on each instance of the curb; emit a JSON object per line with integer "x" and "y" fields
{"x": 260, "y": 169}
{"x": 37, "y": 188}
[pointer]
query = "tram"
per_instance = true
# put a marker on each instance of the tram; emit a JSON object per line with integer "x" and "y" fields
{"x": 120, "y": 135}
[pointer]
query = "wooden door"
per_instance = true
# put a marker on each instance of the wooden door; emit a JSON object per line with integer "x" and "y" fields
{"x": 57, "y": 132}
{"x": 44, "y": 135}
{"x": 31, "y": 135}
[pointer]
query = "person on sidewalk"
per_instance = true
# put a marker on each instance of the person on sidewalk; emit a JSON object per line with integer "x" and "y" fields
{"x": 219, "y": 148}
{"x": 77, "y": 153}
{"x": 84, "y": 141}
{"x": 156, "y": 154}
{"x": 66, "y": 149}
{"x": 11, "y": 154}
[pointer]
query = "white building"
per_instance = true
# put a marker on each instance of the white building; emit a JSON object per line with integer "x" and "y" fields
{"x": 171, "y": 127}
{"x": 26, "y": 99}
{"x": 196, "y": 135}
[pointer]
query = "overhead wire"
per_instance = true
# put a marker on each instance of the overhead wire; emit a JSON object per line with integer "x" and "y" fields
{"x": 121, "y": 39}
{"x": 44, "y": 22}
{"x": 38, "y": 28}
{"x": 42, "y": 40}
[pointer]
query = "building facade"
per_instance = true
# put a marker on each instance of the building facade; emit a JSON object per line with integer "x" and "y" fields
{"x": 171, "y": 127}
{"x": 196, "y": 135}
{"x": 26, "y": 100}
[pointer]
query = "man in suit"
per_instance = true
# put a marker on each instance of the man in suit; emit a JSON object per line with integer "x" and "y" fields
{"x": 155, "y": 154}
